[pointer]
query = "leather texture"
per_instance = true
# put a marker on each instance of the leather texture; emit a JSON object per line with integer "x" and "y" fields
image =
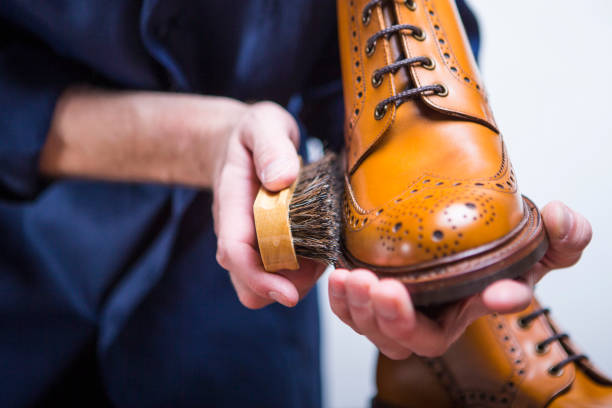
{"x": 431, "y": 178}
{"x": 495, "y": 364}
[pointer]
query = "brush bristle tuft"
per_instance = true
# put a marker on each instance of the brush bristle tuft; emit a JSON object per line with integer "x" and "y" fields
{"x": 314, "y": 211}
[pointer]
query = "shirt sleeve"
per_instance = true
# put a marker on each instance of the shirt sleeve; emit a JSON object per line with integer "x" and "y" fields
{"x": 32, "y": 76}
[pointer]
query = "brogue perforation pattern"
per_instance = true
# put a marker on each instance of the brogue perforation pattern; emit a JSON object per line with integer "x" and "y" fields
{"x": 358, "y": 75}
{"x": 468, "y": 398}
{"x": 447, "y": 53}
{"x": 513, "y": 349}
{"x": 460, "y": 202}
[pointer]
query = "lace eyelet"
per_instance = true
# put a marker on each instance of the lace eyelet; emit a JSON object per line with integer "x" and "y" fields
{"x": 370, "y": 48}
{"x": 555, "y": 372}
{"x": 430, "y": 64}
{"x": 380, "y": 112}
{"x": 443, "y": 92}
{"x": 365, "y": 18}
{"x": 541, "y": 349}
{"x": 377, "y": 79}
{"x": 411, "y": 4}
{"x": 420, "y": 35}
{"x": 522, "y": 323}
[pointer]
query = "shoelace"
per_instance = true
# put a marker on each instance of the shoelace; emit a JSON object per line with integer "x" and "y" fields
{"x": 542, "y": 346}
{"x": 377, "y": 77}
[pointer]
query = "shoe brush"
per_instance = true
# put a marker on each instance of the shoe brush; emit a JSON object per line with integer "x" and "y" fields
{"x": 302, "y": 220}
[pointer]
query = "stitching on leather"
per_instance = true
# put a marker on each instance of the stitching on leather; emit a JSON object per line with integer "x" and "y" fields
{"x": 504, "y": 175}
{"x": 351, "y": 195}
{"x": 473, "y": 83}
{"x": 506, "y": 339}
{"x": 523, "y": 232}
{"x": 356, "y": 218}
{"x": 463, "y": 398}
{"x": 357, "y": 102}
{"x": 520, "y": 370}
{"x": 550, "y": 330}
{"x": 439, "y": 369}
{"x": 456, "y": 112}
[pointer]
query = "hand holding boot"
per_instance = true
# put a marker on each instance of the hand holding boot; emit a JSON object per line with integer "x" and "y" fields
{"x": 382, "y": 311}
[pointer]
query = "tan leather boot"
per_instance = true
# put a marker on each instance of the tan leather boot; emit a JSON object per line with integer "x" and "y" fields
{"x": 519, "y": 360}
{"x": 431, "y": 197}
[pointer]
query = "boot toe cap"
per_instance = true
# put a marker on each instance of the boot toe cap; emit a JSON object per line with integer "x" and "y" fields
{"x": 431, "y": 221}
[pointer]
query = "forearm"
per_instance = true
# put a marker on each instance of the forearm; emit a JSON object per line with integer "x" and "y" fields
{"x": 138, "y": 136}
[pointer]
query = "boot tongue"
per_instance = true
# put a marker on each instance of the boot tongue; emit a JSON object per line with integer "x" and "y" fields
{"x": 455, "y": 67}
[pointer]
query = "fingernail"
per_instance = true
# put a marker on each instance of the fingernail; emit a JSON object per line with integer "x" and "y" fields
{"x": 387, "y": 311}
{"x": 277, "y": 297}
{"x": 564, "y": 219}
{"x": 275, "y": 170}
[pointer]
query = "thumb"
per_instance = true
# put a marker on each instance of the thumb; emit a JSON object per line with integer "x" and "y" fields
{"x": 569, "y": 233}
{"x": 272, "y": 135}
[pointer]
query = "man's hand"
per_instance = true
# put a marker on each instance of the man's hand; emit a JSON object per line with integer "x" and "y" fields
{"x": 260, "y": 150}
{"x": 382, "y": 311}
{"x": 194, "y": 140}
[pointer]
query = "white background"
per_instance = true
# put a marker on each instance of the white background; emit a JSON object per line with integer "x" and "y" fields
{"x": 547, "y": 65}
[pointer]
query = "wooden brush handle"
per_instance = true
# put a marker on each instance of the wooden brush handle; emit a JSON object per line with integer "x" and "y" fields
{"x": 271, "y": 213}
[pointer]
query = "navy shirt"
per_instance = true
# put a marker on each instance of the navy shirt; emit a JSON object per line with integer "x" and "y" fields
{"x": 109, "y": 292}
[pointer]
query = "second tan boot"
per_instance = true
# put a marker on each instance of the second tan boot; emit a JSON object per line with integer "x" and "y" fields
{"x": 519, "y": 360}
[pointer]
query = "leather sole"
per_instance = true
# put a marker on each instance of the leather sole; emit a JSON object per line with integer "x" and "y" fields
{"x": 453, "y": 278}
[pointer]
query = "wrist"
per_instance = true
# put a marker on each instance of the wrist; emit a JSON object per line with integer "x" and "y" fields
{"x": 189, "y": 135}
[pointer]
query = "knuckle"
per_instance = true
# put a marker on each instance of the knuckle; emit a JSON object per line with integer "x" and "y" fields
{"x": 265, "y": 156}
{"x": 254, "y": 284}
{"x": 405, "y": 330}
{"x": 267, "y": 110}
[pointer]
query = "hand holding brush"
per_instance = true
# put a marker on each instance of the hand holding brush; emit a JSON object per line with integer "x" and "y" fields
{"x": 259, "y": 149}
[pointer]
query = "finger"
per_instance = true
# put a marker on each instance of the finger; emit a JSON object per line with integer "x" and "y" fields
{"x": 358, "y": 287}
{"x": 395, "y": 351}
{"x": 569, "y": 233}
{"x": 305, "y": 278}
{"x": 536, "y": 273}
{"x": 236, "y": 243}
{"x": 235, "y": 191}
{"x": 272, "y": 135}
{"x": 397, "y": 320}
{"x": 507, "y": 296}
{"x": 247, "y": 297}
{"x": 456, "y": 318}
{"x": 337, "y": 295}
{"x": 244, "y": 265}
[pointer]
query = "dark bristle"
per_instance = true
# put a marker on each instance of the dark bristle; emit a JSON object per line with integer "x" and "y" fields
{"x": 314, "y": 211}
